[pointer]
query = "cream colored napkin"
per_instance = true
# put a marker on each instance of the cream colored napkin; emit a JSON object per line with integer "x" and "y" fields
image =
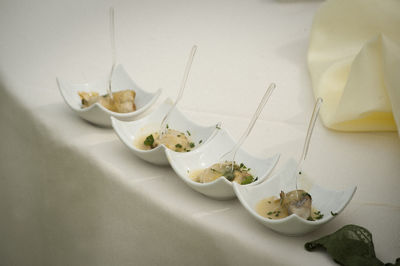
{"x": 354, "y": 62}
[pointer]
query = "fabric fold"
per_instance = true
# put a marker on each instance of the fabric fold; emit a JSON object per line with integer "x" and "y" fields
{"x": 354, "y": 63}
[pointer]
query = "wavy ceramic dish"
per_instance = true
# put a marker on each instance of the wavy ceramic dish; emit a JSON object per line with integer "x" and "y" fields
{"x": 130, "y": 132}
{"x": 98, "y": 114}
{"x": 209, "y": 154}
{"x": 329, "y": 202}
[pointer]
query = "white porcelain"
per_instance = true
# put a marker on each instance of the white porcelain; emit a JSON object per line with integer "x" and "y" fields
{"x": 98, "y": 114}
{"x": 208, "y": 155}
{"x": 323, "y": 199}
{"x": 128, "y": 132}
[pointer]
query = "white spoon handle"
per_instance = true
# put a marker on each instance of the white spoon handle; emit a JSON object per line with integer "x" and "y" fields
{"x": 113, "y": 50}
{"x": 310, "y": 130}
{"x": 182, "y": 88}
{"x": 260, "y": 107}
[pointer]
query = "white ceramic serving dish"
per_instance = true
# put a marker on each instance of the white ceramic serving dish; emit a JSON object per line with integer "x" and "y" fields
{"x": 208, "y": 155}
{"x": 130, "y": 132}
{"x": 323, "y": 199}
{"x": 98, "y": 114}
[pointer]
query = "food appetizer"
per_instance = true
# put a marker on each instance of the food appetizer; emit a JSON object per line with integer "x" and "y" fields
{"x": 297, "y": 202}
{"x": 230, "y": 170}
{"x": 120, "y": 102}
{"x": 171, "y": 138}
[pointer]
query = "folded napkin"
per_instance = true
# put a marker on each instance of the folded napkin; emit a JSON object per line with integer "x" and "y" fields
{"x": 354, "y": 63}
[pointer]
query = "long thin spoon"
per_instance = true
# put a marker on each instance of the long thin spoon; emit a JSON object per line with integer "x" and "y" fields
{"x": 113, "y": 51}
{"x": 260, "y": 107}
{"x": 163, "y": 126}
{"x": 310, "y": 130}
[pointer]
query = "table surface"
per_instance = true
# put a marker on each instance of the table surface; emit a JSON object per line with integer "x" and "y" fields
{"x": 72, "y": 194}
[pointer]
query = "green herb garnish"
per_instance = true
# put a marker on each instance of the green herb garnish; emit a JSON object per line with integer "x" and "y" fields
{"x": 319, "y": 215}
{"x": 149, "y": 141}
{"x": 178, "y": 146}
{"x": 191, "y": 144}
{"x": 249, "y": 179}
{"x": 229, "y": 175}
{"x": 334, "y": 213}
{"x": 200, "y": 141}
{"x": 187, "y": 131}
{"x": 269, "y": 213}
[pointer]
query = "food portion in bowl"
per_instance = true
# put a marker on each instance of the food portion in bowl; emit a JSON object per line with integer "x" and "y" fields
{"x": 297, "y": 202}
{"x": 232, "y": 171}
{"x": 172, "y": 139}
{"x": 121, "y": 102}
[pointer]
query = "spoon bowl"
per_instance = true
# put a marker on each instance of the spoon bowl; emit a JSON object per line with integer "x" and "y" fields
{"x": 130, "y": 133}
{"x": 330, "y": 202}
{"x": 98, "y": 114}
{"x": 208, "y": 154}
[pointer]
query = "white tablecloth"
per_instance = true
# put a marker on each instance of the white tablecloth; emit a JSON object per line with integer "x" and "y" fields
{"x": 72, "y": 194}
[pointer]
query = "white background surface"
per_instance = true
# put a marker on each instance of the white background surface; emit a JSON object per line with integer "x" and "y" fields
{"x": 72, "y": 194}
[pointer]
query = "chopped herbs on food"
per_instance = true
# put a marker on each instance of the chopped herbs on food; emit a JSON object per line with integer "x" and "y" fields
{"x": 229, "y": 175}
{"x": 178, "y": 146}
{"x": 149, "y": 141}
{"x": 187, "y": 131}
{"x": 167, "y": 126}
{"x": 191, "y": 144}
{"x": 200, "y": 141}
{"x": 230, "y": 170}
{"x": 334, "y": 213}
{"x": 249, "y": 179}
{"x": 269, "y": 213}
{"x": 319, "y": 215}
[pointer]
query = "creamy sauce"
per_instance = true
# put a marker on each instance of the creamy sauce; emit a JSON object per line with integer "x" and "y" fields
{"x": 201, "y": 175}
{"x": 240, "y": 174}
{"x": 122, "y": 102}
{"x": 173, "y": 139}
{"x": 271, "y": 208}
